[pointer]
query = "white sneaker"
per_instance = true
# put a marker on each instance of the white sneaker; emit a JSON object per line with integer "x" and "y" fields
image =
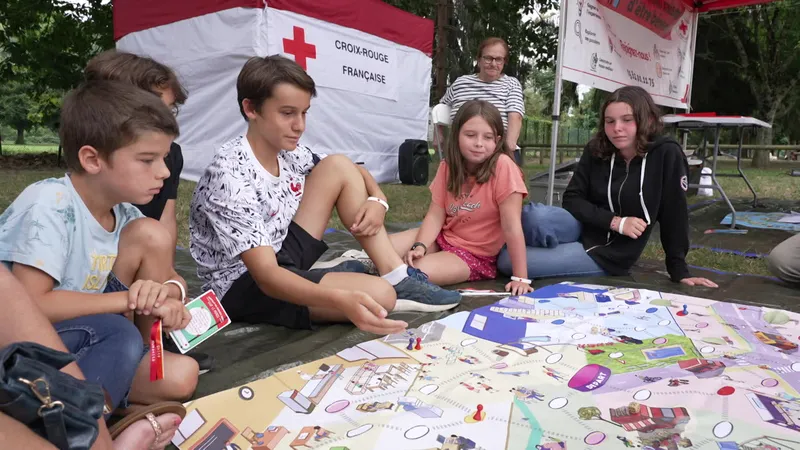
{"x": 359, "y": 255}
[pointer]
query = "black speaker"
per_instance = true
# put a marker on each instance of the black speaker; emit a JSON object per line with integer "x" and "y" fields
{"x": 413, "y": 159}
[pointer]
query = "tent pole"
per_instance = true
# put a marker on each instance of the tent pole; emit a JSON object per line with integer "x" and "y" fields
{"x": 562, "y": 27}
{"x": 692, "y": 48}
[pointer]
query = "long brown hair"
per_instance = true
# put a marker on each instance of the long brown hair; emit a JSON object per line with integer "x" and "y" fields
{"x": 456, "y": 165}
{"x": 645, "y": 112}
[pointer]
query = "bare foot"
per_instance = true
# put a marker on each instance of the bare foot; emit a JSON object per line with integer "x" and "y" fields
{"x": 141, "y": 435}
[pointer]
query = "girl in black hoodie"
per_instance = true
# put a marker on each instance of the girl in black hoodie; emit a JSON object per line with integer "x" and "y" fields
{"x": 628, "y": 178}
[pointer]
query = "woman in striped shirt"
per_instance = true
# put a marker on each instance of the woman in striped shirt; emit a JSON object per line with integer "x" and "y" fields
{"x": 491, "y": 85}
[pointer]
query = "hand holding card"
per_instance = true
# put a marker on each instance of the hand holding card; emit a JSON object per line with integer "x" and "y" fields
{"x": 207, "y": 318}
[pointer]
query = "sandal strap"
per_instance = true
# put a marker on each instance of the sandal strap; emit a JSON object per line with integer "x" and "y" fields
{"x": 154, "y": 423}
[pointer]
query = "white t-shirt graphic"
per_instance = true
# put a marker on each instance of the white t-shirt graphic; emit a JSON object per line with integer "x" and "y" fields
{"x": 238, "y": 205}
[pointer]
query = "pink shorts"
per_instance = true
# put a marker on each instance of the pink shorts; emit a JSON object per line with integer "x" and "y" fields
{"x": 480, "y": 267}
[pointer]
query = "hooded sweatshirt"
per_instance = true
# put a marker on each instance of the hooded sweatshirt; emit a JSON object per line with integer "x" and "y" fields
{"x": 652, "y": 188}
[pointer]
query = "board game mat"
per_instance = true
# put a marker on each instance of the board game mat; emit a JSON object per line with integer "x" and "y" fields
{"x": 569, "y": 366}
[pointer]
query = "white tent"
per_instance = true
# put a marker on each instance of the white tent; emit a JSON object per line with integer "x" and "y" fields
{"x": 371, "y": 63}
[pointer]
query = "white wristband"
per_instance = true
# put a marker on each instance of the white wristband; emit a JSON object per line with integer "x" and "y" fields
{"x": 379, "y": 200}
{"x": 521, "y": 280}
{"x": 180, "y": 286}
{"x": 621, "y": 225}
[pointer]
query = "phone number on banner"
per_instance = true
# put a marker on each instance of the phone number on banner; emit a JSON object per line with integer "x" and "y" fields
{"x": 641, "y": 79}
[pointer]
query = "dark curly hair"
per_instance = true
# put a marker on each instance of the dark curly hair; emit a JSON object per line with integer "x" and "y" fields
{"x": 645, "y": 112}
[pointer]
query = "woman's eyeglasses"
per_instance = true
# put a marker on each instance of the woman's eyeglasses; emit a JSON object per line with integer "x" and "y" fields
{"x": 491, "y": 59}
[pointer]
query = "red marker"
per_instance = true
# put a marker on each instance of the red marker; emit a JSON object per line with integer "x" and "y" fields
{"x": 478, "y": 417}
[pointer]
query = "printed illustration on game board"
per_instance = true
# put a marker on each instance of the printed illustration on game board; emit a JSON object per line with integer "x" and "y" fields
{"x": 569, "y": 366}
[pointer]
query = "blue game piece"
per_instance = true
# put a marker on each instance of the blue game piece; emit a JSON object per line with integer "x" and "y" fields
{"x": 410, "y": 344}
{"x": 685, "y": 309}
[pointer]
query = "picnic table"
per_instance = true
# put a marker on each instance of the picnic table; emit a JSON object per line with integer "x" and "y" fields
{"x": 711, "y": 123}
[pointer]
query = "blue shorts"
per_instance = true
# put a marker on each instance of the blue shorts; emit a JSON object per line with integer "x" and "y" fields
{"x": 108, "y": 348}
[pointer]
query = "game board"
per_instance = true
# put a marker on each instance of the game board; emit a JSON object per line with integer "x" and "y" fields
{"x": 569, "y": 366}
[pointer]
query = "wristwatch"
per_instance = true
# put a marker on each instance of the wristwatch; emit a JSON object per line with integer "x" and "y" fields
{"x": 420, "y": 244}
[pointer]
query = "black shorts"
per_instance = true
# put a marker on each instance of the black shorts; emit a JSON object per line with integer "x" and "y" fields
{"x": 245, "y": 302}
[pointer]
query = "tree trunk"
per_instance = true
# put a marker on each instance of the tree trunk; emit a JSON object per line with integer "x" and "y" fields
{"x": 761, "y": 158}
{"x": 442, "y": 17}
{"x": 20, "y": 136}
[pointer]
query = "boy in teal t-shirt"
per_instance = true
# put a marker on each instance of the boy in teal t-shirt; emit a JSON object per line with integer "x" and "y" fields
{"x": 89, "y": 259}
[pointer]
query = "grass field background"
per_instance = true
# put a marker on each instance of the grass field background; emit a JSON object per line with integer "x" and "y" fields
{"x": 23, "y": 165}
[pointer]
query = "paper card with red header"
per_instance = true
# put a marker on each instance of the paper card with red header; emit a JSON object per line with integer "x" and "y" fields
{"x": 208, "y": 318}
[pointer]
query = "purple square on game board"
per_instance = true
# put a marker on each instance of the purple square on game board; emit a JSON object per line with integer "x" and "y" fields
{"x": 589, "y": 378}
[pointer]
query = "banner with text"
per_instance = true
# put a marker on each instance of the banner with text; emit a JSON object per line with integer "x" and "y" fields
{"x": 335, "y": 56}
{"x": 615, "y": 43}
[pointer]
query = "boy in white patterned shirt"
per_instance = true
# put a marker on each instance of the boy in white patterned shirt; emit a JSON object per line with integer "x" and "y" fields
{"x": 259, "y": 213}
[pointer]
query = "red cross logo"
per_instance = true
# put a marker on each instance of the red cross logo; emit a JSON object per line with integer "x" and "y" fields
{"x": 299, "y": 47}
{"x": 684, "y": 27}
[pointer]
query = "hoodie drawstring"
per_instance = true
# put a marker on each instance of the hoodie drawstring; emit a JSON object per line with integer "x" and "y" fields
{"x": 641, "y": 186}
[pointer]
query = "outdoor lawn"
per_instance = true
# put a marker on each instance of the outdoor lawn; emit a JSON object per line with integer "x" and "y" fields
{"x": 409, "y": 203}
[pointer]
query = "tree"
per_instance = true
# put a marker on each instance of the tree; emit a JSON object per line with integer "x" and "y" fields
{"x": 592, "y": 413}
{"x": 765, "y": 59}
{"x": 47, "y": 42}
{"x": 16, "y": 107}
{"x": 542, "y": 83}
{"x": 531, "y": 37}
{"x": 586, "y": 115}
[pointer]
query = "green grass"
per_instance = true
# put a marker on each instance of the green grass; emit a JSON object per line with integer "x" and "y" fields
{"x": 773, "y": 183}
{"x": 14, "y": 181}
{"x": 14, "y": 149}
{"x": 409, "y": 203}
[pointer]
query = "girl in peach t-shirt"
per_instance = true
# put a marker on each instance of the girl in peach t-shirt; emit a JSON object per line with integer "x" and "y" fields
{"x": 475, "y": 209}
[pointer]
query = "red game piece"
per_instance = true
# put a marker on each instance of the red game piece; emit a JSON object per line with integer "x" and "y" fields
{"x": 726, "y": 390}
{"x": 478, "y": 417}
{"x": 418, "y": 347}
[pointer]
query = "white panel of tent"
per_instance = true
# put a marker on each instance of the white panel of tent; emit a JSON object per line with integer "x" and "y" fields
{"x": 368, "y": 128}
{"x": 208, "y": 52}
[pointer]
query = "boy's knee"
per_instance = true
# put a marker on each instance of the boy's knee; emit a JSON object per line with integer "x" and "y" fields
{"x": 337, "y": 160}
{"x": 185, "y": 377}
{"x": 146, "y": 233}
{"x": 338, "y": 164}
{"x": 124, "y": 340}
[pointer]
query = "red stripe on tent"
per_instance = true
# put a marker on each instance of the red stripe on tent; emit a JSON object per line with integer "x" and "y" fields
{"x": 131, "y": 16}
{"x": 370, "y": 16}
